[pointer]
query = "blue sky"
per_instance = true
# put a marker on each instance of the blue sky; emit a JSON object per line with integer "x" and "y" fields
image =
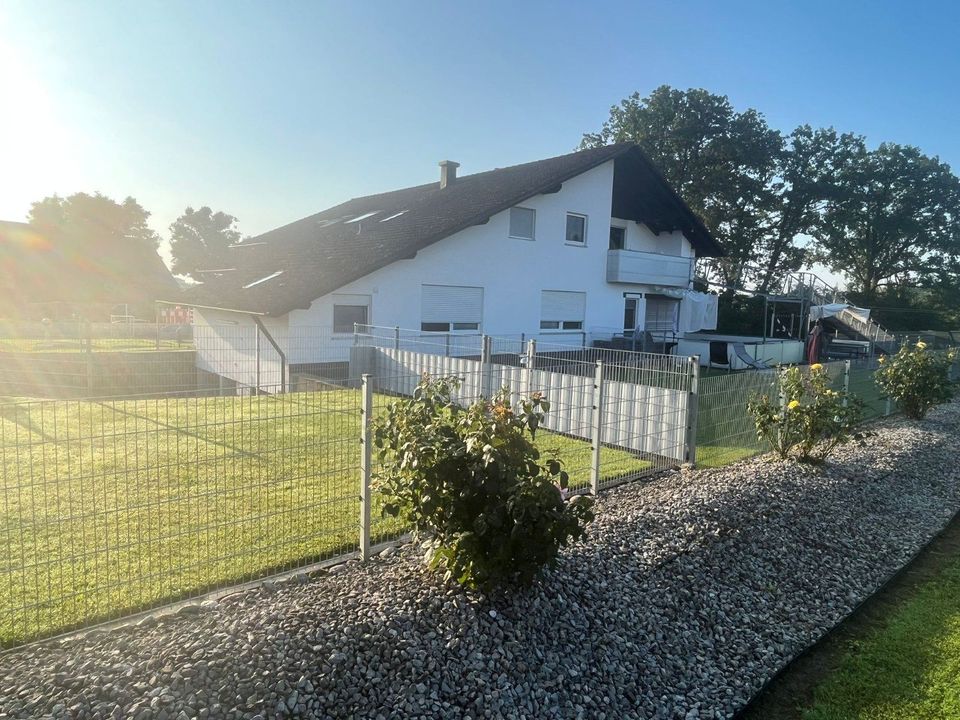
{"x": 274, "y": 110}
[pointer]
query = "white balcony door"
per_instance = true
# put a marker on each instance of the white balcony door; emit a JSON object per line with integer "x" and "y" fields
{"x": 634, "y": 314}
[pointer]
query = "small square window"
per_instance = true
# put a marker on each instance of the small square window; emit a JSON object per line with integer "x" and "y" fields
{"x": 522, "y": 222}
{"x": 346, "y": 316}
{"x": 549, "y": 324}
{"x": 573, "y": 325}
{"x": 618, "y": 238}
{"x": 576, "y": 229}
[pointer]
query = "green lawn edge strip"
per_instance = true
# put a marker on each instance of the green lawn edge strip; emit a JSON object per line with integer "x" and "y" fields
{"x": 816, "y": 644}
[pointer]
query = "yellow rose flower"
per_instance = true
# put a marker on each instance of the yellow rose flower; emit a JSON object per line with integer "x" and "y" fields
{"x": 921, "y": 345}
{"x": 816, "y": 366}
{"x": 793, "y": 404}
{"x": 882, "y": 359}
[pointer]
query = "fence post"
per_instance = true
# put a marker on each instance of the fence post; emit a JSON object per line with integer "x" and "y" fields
{"x": 89, "y": 333}
{"x": 782, "y": 400}
{"x": 256, "y": 350}
{"x": 526, "y": 370}
{"x": 888, "y": 407}
{"x": 485, "y": 359}
{"x": 846, "y": 381}
{"x": 693, "y": 407}
{"x": 366, "y": 454}
{"x": 597, "y": 429}
{"x": 531, "y": 354}
{"x": 396, "y": 338}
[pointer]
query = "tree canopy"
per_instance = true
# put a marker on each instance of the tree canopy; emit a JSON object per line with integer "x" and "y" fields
{"x": 84, "y": 249}
{"x": 779, "y": 202}
{"x": 200, "y": 240}
{"x": 93, "y": 221}
{"x": 722, "y": 162}
{"x": 893, "y": 215}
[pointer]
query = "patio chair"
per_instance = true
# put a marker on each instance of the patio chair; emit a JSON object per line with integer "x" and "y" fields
{"x": 740, "y": 350}
{"x": 719, "y": 357}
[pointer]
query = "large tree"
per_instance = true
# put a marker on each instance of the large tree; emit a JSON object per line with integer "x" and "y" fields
{"x": 758, "y": 191}
{"x": 90, "y": 249}
{"x": 200, "y": 240}
{"x": 722, "y": 162}
{"x": 894, "y": 217}
{"x": 94, "y": 221}
{"x": 802, "y": 184}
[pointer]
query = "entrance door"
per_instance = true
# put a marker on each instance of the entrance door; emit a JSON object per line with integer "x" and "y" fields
{"x": 634, "y": 314}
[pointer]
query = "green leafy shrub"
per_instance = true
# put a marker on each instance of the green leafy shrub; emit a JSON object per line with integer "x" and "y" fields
{"x": 916, "y": 378}
{"x": 473, "y": 485}
{"x": 809, "y": 418}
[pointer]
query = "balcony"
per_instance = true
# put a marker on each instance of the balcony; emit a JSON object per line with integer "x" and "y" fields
{"x": 647, "y": 268}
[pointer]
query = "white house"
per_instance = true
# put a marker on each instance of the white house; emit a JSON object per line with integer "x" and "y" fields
{"x": 590, "y": 244}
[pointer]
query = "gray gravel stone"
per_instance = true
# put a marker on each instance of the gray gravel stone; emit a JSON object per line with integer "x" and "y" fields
{"x": 692, "y": 589}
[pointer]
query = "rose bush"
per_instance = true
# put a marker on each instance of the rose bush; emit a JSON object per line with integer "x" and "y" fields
{"x": 916, "y": 378}
{"x": 808, "y": 418}
{"x": 473, "y": 485}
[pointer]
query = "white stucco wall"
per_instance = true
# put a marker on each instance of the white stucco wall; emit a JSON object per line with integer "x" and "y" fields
{"x": 226, "y": 344}
{"x": 512, "y": 272}
{"x": 640, "y": 237}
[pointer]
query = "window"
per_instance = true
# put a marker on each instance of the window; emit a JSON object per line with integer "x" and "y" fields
{"x": 345, "y": 316}
{"x": 630, "y": 314}
{"x": 522, "y": 222}
{"x": 661, "y": 314}
{"x": 451, "y": 308}
{"x": 576, "y": 229}
{"x": 618, "y": 238}
{"x": 562, "y": 310}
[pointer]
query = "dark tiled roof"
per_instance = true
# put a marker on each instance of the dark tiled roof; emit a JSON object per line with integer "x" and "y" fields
{"x": 321, "y": 253}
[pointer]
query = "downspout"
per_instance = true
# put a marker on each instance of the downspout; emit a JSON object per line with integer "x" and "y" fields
{"x": 283, "y": 357}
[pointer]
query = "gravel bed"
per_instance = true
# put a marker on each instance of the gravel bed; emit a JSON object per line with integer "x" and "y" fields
{"x": 692, "y": 590}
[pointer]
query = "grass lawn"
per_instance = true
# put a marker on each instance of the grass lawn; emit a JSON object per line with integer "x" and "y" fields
{"x": 99, "y": 345}
{"x": 111, "y": 506}
{"x": 907, "y": 668}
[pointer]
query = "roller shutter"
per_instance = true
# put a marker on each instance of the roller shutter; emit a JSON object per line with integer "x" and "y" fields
{"x": 452, "y": 304}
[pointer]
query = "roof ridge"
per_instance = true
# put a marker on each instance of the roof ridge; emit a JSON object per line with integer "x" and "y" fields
{"x": 436, "y": 185}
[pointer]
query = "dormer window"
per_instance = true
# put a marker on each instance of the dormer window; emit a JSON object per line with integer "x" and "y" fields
{"x": 576, "y": 229}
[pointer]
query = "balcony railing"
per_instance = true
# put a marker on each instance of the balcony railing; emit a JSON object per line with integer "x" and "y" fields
{"x": 648, "y": 268}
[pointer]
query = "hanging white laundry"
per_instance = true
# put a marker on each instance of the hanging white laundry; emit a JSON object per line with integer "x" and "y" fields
{"x": 698, "y": 311}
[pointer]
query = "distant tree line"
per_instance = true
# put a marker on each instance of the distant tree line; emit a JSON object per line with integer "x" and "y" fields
{"x": 90, "y": 250}
{"x": 888, "y": 218}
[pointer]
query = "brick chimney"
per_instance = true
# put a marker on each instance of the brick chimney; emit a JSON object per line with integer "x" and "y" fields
{"x": 448, "y": 172}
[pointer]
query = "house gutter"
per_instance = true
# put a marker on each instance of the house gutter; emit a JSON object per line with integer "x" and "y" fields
{"x": 251, "y": 313}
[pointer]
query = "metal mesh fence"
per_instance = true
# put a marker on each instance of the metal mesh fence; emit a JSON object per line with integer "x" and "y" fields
{"x": 112, "y": 506}
{"x": 249, "y": 459}
{"x": 725, "y": 429}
